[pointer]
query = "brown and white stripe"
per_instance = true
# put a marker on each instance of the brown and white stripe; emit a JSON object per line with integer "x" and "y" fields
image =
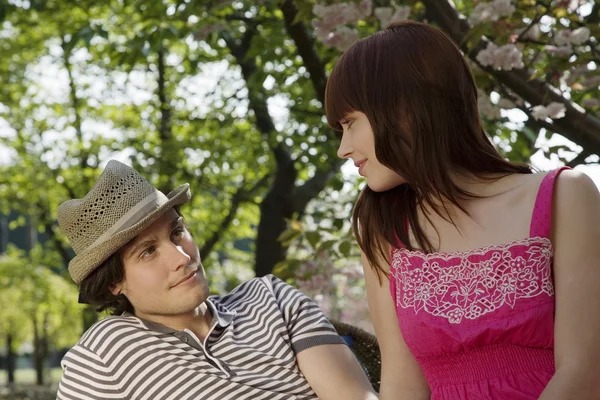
{"x": 250, "y": 352}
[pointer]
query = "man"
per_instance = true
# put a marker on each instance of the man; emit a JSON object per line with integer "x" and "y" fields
{"x": 167, "y": 339}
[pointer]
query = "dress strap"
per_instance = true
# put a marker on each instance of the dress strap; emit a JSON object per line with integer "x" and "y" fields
{"x": 541, "y": 220}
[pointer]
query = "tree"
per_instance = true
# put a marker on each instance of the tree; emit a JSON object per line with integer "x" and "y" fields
{"x": 251, "y": 139}
{"x": 39, "y": 305}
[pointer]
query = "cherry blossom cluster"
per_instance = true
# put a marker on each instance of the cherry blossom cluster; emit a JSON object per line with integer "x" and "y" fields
{"x": 492, "y": 11}
{"x": 332, "y": 23}
{"x": 565, "y": 39}
{"x": 338, "y": 288}
{"x": 553, "y": 110}
{"x": 505, "y": 57}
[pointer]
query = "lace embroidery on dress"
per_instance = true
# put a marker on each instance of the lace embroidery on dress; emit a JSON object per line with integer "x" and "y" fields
{"x": 471, "y": 289}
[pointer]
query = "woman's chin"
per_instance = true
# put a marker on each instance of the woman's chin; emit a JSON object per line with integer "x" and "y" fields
{"x": 383, "y": 186}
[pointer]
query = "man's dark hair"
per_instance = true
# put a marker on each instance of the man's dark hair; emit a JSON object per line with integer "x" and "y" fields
{"x": 96, "y": 288}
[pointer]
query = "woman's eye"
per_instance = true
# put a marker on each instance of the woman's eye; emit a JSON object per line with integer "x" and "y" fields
{"x": 347, "y": 123}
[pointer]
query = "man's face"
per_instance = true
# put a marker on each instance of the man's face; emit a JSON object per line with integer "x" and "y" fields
{"x": 163, "y": 272}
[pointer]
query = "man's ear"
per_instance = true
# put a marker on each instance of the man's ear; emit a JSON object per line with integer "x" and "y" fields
{"x": 118, "y": 288}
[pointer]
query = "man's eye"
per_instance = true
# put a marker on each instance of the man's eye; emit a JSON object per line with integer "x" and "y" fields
{"x": 149, "y": 252}
{"x": 178, "y": 232}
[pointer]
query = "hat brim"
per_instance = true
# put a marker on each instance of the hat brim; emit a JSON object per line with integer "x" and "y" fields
{"x": 83, "y": 264}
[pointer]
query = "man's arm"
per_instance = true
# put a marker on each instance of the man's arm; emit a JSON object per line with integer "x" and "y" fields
{"x": 85, "y": 377}
{"x": 325, "y": 360}
{"x": 334, "y": 373}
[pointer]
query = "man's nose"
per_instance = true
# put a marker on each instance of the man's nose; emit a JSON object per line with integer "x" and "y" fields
{"x": 178, "y": 256}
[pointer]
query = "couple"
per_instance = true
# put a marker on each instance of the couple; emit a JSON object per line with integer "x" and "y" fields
{"x": 482, "y": 277}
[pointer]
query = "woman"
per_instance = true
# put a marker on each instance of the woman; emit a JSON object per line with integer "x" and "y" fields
{"x": 493, "y": 271}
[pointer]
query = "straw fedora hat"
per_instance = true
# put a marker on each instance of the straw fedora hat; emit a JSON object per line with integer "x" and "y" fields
{"x": 120, "y": 205}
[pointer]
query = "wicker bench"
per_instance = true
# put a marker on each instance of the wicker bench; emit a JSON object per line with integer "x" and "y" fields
{"x": 365, "y": 348}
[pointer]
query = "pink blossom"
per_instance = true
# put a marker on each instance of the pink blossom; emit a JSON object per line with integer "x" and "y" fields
{"x": 556, "y": 110}
{"x": 505, "y": 57}
{"x": 561, "y": 51}
{"x": 342, "y": 38}
{"x": 591, "y": 82}
{"x": 580, "y": 35}
{"x": 553, "y": 110}
{"x": 342, "y": 13}
{"x": 492, "y": 11}
{"x": 384, "y": 15}
{"x": 365, "y": 7}
{"x": 387, "y": 15}
{"x": 577, "y": 72}
{"x": 539, "y": 112}
{"x": 562, "y": 38}
{"x": 506, "y": 103}
{"x": 591, "y": 102}
{"x": 532, "y": 33}
{"x": 485, "y": 106}
{"x": 401, "y": 14}
{"x": 575, "y": 37}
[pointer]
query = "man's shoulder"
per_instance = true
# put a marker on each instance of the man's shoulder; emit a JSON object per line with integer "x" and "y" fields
{"x": 109, "y": 329}
{"x": 248, "y": 288}
{"x": 265, "y": 287}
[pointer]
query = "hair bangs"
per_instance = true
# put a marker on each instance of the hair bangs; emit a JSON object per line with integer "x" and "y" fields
{"x": 343, "y": 93}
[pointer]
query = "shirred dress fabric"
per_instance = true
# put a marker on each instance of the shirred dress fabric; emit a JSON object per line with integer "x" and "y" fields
{"x": 481, "y": 323}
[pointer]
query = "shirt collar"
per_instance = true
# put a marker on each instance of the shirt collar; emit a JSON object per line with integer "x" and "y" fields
{"x": 220, "y": 317}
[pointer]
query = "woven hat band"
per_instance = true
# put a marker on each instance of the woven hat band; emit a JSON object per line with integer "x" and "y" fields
{"x": 133, "y": 216}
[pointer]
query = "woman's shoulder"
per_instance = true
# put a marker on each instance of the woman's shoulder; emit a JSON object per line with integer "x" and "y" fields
{"x": 557, "y": 181}
{"x": 575, "y": 188}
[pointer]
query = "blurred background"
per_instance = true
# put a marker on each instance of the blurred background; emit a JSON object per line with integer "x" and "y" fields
{"x": 228, "y": 96}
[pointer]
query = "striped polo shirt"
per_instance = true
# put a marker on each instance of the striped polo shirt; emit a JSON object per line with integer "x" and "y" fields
{"x": 249, "y": 352}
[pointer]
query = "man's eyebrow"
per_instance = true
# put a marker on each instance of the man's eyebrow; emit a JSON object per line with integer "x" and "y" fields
{"x": 147, "y": 242}
{"x": 176, "y": 222}
{"x": 139, "y": 246}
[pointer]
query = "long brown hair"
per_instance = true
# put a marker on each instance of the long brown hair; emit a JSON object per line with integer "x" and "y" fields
{"x": 414, "y": 86}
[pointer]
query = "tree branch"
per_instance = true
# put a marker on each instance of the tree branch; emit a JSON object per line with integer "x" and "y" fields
{"x": 577, "y": 126}
{"x": 594, "y": 17}
{"x": 579, "y": 159}
{"x": 164, "y": 130}
{"x": 306, "y": 49}
{"x": 75, "y": 104}
{"x": 239, "y": 197}
{"x": 306, "y": 46}
{"x": 257, "y": 97}
{"x": 167, "y": 165}
{"x": 49, "y": 230}
{"x": 534, "y": 21}
{"x": 308, "y": 191}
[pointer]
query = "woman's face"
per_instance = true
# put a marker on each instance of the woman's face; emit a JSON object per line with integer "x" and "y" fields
{"x": 358, "y": 144}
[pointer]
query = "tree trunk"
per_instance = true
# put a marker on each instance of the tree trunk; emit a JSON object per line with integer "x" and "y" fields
{"x": 275, "y": 209}
{"x": 37, "y": 356}
{"x": 10, "y": 359}
{"x": 40, "y": 347}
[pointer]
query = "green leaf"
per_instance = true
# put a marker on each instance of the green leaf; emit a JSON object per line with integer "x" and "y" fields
{"x": 313, "y": 238}
{"x": 345, "y": 247}
{"x": 288, "y": 236}
{"x": 326, "y": 245}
